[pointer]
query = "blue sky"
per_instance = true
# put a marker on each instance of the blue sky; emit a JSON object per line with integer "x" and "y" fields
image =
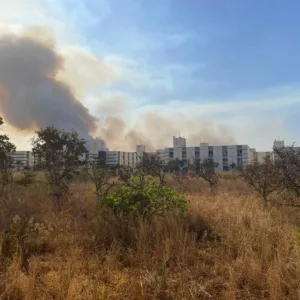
{"x": 233, "y": 63}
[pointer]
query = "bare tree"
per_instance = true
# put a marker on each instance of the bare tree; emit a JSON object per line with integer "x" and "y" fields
{"x": 262, "y": 177}
{"x": 206, "y": 170}
{"x": 154, "y": 166}
{"x": 59, "y": 154}
{"x": 288, "y": 168}
{"x": 103, "y": 178}
{"x": 179, "y": 174}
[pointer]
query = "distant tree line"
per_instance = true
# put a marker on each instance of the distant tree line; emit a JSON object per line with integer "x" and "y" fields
{"x": 59, "y": 154}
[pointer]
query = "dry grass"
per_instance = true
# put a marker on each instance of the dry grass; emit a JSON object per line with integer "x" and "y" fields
{"x": 229, "y": 247}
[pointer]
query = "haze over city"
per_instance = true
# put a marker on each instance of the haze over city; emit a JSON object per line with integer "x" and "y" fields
{"x": 133, "y": 72}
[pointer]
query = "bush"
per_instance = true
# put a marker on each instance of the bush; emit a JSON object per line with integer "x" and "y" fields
{"x": 26, "y": 178}
{"x": 146, "y": 200}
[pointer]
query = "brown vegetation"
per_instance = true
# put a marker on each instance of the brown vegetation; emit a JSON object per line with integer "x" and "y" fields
{"x": 230, "y": 246}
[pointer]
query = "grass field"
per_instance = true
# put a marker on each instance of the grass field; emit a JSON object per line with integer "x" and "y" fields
{"x": 229, "y": 247}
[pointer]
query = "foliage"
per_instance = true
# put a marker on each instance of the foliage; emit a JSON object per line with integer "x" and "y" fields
{"x": 6, "y": 162}
{"x": 59, "y": 154}
{"x": 26, "y": 178}
{"x": 14, "y": 242}
{"x": 206, "y": 170}
{"x": 102, "y": 178}
{"x": 262, "y": 177}
{"x": 153, "y": 165}
{"x": 145, "y": 198}
{"x": 175, "y": 165}
{"x": 232, "y": 167}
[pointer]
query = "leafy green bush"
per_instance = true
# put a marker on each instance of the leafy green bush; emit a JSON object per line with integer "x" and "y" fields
{"x": 146, "y": 199}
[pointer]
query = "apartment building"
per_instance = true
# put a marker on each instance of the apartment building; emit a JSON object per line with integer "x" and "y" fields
{"x": 112, "y": 158}
{"x": 224, "y": 156}
{"x": 22, "y": 159}
{"x": 280, "y": 145}
{"x": 260, "y": 157}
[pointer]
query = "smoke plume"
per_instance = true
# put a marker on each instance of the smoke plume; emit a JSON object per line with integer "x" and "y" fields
{"x": 156, "y": 131}
{"x": 34, "y": 94}
{"x": 31, "y": 96}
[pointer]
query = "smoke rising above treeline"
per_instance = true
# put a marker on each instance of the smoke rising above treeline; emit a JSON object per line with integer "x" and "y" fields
{"x": 33, "y": 96}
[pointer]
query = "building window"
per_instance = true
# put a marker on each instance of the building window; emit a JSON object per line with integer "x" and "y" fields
{"x": 210, "y": 153}
{"x": 239, "y": 160}
{"x": 225, "y": 168}
{"x": 225, "y": 159}
{"x": 171, "y": 154}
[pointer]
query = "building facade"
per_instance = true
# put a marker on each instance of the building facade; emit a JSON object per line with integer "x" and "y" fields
{"x": 113, "y": 158}
{"x": 22, "y": 159}
{"x": 225, "y": 156}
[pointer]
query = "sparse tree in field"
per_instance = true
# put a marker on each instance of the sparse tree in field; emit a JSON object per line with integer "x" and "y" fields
{"x": 175, "y": 165}
{"x": 103, "y": 178}
{"x": 6, "y": 161}
{"x": 262, "y": 177}
{"x": 288, "y": 169}
{"x": 154, "y": 166}
{"x": 59, "y": 154}
{"x": 206, "y": 170}
{"x": 176, "y": 168}
{"x": 126, "y": 173}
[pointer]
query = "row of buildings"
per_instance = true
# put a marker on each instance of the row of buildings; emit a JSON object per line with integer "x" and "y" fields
{"x": 225, "y": 156}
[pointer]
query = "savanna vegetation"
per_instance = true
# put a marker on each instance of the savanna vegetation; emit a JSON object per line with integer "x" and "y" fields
{"x": 76, "y": 230}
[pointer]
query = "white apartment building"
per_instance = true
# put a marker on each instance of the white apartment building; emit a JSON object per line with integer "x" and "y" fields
{"x": 260, "y": 157}
{"x": 280, "y": 145}
{"x": 140, "y": 150}
{"x": 22, "y": 159}
{"x": 113, "y": 158}
{"x": 224, "y": 156}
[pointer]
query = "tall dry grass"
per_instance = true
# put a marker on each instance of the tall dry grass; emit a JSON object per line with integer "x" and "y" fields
{"x": 229, "y": 247}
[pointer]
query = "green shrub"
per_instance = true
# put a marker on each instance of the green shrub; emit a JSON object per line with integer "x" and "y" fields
{"x": 146, "y": 199}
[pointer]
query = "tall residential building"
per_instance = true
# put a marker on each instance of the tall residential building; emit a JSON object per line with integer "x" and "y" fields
{"x": 277, "y": 145}
{"x": 113, "y": 158}
{"x": 140, "y": 150}
{"x": 224, "y": 156}
{"x": 22, "y": 159}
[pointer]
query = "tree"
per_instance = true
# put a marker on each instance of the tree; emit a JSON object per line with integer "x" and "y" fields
{"x": 175, "y": 165}
{"x": 102, "y": 177}
{"x": 176, "y": 168}
{"x": 262, "y": 177}
{"x": 206, "y": 170}
{"x": 6, "y": 161}
{"x": 153, "y": 165}
{"x": 288, "y": 168}
{"x": 59, "y": 153}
